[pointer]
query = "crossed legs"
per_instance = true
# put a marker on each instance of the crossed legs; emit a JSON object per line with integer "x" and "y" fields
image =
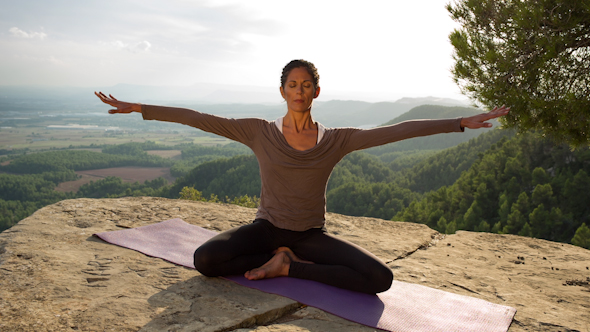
{"x": 260, "y": 250}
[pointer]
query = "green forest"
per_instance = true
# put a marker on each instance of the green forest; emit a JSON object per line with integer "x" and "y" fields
{"x": 493, "y": 181}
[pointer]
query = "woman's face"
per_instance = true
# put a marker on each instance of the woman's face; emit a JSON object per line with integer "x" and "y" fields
{"x": 299, "y": 91}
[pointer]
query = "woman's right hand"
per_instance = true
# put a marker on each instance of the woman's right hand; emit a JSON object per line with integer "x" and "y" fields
{"x": 120, "y": 106}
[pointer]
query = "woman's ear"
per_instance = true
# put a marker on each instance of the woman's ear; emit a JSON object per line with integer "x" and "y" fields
{"x": 317, "y": 92}
{"x": 282, "y": 93}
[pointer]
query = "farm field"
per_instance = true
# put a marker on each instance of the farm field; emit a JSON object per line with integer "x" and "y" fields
{"x": 127, "y": 174}
{"x": 41, "y": 138}
{"x": 172, "y": 154}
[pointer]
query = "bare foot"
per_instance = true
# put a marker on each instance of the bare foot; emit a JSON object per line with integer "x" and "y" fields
{"x": 291, "y": 255}
{"x": 277, "y": 266}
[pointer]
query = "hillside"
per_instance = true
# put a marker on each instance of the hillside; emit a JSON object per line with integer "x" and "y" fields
{"x": 363, "y": 185}
{"x": 349, "y": 113}
{"x": 232, "y": 177}
{"x": 434, "y": 112}
{"x": 444, "y": 167}
{"x": 57, "y": 277}
{"x": 436, "y": 142}
{"x": 526, "y": 185}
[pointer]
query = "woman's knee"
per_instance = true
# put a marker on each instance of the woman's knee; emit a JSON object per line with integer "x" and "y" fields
{"x": 204, "y": 262}
{"x": 382, "y": 280}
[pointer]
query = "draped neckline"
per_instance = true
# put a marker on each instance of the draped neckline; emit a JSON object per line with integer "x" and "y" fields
{"x": 278, "y": 124}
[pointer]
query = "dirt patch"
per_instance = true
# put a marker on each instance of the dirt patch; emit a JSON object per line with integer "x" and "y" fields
{"x": 127, "y": 174}
{"x": 172, "y": 154}
{"x": 75, "y": 185}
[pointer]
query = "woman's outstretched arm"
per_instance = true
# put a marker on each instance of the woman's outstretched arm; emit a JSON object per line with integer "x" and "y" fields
{"x": 366, "y": 138}
{"x": 120, "y": 106}
{"x": 240, "y": 130}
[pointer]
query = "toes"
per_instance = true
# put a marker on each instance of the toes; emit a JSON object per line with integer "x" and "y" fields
{"x": 254, "y": 275}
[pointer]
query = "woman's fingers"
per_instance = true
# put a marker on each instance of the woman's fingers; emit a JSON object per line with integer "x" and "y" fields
{"x": 110, "y": 99}
{"x": 120, "y": 106}
{"x": 99, "y": 95}
{"x": 495, "y": 113}
{"x": 499, "y": 111}
{"x": 479, "y": 121}
{"x": 102, "y": 97}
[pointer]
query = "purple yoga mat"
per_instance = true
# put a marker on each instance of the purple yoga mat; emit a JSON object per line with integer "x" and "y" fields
{"x": 405, "y": 307}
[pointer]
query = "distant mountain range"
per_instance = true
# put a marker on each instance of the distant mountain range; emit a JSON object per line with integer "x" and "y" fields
{"x": 206, "y": 93}
{"x": 202, "y": 93}
{"x": 225, "y": 100}
{"x": 348, "y": 113}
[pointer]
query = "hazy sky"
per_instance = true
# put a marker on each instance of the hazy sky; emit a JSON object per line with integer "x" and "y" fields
{"x": 388, "y": 47}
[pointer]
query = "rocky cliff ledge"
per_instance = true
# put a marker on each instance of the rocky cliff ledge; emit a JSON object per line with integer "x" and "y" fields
{"x": 55, "y": 276}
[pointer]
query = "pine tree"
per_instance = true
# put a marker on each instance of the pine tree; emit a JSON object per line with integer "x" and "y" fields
{"x": 531, "y": 55}
{"x": 582, "y": 237}
{"x": 518, "y": 215}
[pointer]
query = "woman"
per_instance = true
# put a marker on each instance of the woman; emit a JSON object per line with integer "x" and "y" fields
{"x": 296, "y": 156}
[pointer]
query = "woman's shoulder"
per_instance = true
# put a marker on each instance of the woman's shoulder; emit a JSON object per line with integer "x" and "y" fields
{"x": 256, "y": 122}
{"x": 340, "y": 130}
{"x": 256, "y": 125}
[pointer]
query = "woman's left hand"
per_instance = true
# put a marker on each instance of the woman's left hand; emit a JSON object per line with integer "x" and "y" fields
{"x": 120, "y": 106}
{"x": 479, "y": 121}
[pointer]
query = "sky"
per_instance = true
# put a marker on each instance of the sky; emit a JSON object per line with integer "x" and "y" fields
{"x": 367, "y": 49}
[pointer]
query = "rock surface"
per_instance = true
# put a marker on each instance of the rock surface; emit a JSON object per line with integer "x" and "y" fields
{"x": 55, "y": 276}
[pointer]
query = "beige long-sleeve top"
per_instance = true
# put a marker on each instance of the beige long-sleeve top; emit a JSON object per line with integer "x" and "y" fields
{"x": 293, "y": 193}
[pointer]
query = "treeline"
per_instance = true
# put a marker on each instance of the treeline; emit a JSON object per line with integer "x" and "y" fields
{"x": 195, "y": 155}
{"x": 32, "y": 187}
{"x": 7, "y": 152}
{"x": 232, "y": 177}
{"x": 32, "y": 178}
{"x": 78, "y": 160}
{"x": 526, "y": 185}
{"x": 445, "y": 167}
{"x": 228, "y": 150}
{"x": 190, "y": 193}
{"x": 362, "y": 185}
{"x": 113, "y": 187}
{"x": 21, "y": 195}
{"x": 139, "y": 147}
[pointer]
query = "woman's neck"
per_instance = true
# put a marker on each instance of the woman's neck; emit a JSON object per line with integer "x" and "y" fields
{"x": 299, "y": 122}
{"x": 299, "y": 130}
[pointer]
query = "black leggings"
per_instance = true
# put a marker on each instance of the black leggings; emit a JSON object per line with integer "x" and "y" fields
{"x": 337, "y": 262}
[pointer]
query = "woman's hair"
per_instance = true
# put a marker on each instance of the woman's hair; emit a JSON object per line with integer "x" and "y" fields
{"x": 311, "y": 69}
